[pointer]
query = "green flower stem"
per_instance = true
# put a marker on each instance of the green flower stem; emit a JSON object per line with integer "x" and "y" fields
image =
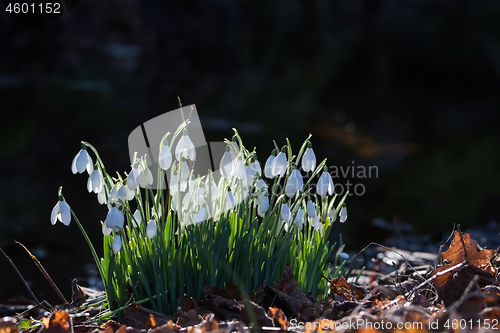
{"x": 96, "y": 258}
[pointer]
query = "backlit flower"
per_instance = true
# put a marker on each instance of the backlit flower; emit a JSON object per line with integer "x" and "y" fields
{"x": 114, "y": 220}
{"x": 165, "y": 158}
{"x": 61, "y": 212}
{"x": 262, "y": 205}
{"x": 151, "y": 229}
{"x": 226, "y": 165}
{"x": 294, "y": 183}
{"x": 311, "y": 209}
{"x": 185, "y": 147}
{"x": 309, "y": 159}
{"x": 278, "y": 167}
{"x": 200, "y": 216}
{"x": 268, "y": 166}
{"x": 95, "y": 182}
{"x": 325, "y": 184}
{"x": 285, "y": 213}
{"x": 82, "y": 162}
{"x": 343, "y": 214}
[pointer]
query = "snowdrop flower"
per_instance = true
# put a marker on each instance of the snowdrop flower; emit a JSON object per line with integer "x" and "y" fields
{"x": 253, "y": 170}
{"x": 133, "y": 179}
{"x": 315, "y": 223}
{"x": 82, "y": 162}
{"x": 325, "y": 183}
{"x": 343, "y": 255}
{"x": 61, "y": 212}
{"x": 94, "y": 184}
{"x": 151, "y": 229}
{"x": 234, "y": 147}
{"x": 117, "y": 243}
{"x": 343, "y": 214}
{"x": 299, "y": 218}
{"x": 118, "y": 192}
{"x": 285, "y": 213}
{"x": 259, "y": 186}
{"x": 226, "y": 165}
{"x": 137, "y": 218}
{"x": 309, "y": 159}
{"x": 239, "y": 170}
{"x": 311, "y": 209}
{"x": 165, "y": 158}
{"x": 114, "y": 220}
{"x": 145, "y": 176}
{"x": 268, "y": 166}
{"x": 294, "y": 183}
{"x": 278, "y": 167}
{"x": 185, "y": 147}
{"x": 200, "y": 217}
{"x": 230, "y": 203}
{"x": 262, "y": 205}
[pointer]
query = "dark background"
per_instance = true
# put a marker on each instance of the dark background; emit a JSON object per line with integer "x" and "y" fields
{"x": 411, "y": 87}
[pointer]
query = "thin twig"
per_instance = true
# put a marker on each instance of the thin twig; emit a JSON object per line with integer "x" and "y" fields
{"x": 21, "y": 277}
{"x": 44, "y": 272}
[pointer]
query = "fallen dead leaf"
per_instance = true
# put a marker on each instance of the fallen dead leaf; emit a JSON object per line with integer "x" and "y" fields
{"x": 339, "y": 286}
{"x": 451, "y": 285}
{"x": 278, "y": 317}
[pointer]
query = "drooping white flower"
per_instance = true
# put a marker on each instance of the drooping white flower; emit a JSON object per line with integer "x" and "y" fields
{"x": 262, "y": 205}
{"x": 95, "y": 182}
{"x": 130, "y": 193}
{"x": 240, "y": 170}
{"x": 315, "y": 223}
{"x": 311, "y": 209}
{"x": 299, "y": 218}
{"x": 260, "y": 185}
{"x": 145, "y": 176}
{"x": 101, "y": 196}
{"x": 137, "y": 218}
{"x": 325, "y": 184}
{"x": 343, "y": 255}
{"x": 278, "y": 167}
{"x": 226, "y": 165}
{"x": 117, "y": 243}
{"x": 133, "y": 179}
{"x": 200, "y": 216}
{"x": 252, "y": 171}
{"x": 82, "y": 162}
{"x": 165, "y": 158}
{"x": 343, "y": 214}
{"x": 118, "y": 192}
{"x": 230, "y": 203}
{"x": 294, "y": 183}
{"x": 309, "y": 159}
{"x": 151, "y": 229}
{"x": 234, "y": 147}
{"x": 115, "y": 219}
{"x": 61, "y": 212}
{"x": 268, "y": 166}
{"x": 185, "y": 147}
{"x": 285, "y": 213}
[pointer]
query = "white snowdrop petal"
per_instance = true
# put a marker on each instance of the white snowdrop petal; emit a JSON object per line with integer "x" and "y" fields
{"x": 309, "y": 160}
{"x": 299, "y": 218}
{"x": 89, "y": 184}
{"x": 240, "y": 170}
{"x": 105, "y": 230}
{"x": 200, "y": 217}
{"x": 315, "y": 223}
{"x": 55, "y": 212}
{"x": 117, "y": 243}
{"x": 73, "y": 164}
{"x": 226, "y": 165}
{"x": 279, "y": 165}
{"x": 165, "y": 158}
{"x": 285, "y": 213}
{"x": 132, "y": 180}
{"x": 343, "y": 214}
{"x": 65, "y": 214}
{"x": 230, "y": 200}
{"x": 268, "y": 167}
{"x": 311, "y": 209}
{"x": 151, "y": 229}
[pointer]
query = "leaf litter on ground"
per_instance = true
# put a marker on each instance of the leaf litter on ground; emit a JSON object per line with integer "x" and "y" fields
{"x": 461, "y": 288}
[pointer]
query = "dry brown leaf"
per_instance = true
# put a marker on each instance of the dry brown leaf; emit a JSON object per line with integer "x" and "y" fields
{"x": 339, "y": 286}
{"x": 451, "y": 284}
{"x": 142, "y": 318}
{"x": 278, "y": 317}
{"x": 57, "y": 323}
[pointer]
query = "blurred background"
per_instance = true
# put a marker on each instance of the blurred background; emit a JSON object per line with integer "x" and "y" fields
{"x": 407, "y": 87}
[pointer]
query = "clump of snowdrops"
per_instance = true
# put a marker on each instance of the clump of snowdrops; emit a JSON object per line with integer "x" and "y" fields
{"x": 244, "y": 227}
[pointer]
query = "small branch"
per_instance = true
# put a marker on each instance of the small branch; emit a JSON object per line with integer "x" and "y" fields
{"x": 47, "y": 276}
{"x": 21, "y": 277}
